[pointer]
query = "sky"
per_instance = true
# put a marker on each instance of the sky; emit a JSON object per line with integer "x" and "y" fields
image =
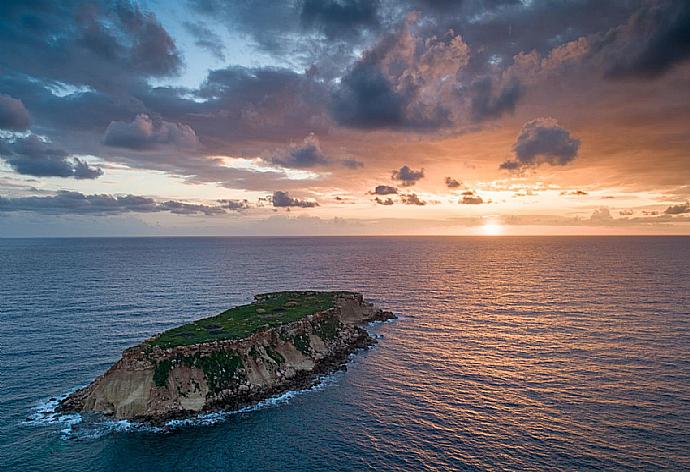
{"x": 344, "y": 117}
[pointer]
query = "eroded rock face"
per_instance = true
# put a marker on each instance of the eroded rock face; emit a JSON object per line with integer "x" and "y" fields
{"x": 155, "y": 384}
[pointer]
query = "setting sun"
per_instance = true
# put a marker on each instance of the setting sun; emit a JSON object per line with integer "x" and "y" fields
{"x": 492, "y": 229}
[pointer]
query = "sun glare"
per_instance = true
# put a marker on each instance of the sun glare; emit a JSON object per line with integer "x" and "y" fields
{"x": 492, "y": 229}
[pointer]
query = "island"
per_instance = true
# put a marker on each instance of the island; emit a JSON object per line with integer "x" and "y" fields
{"x": 281, "y": 341}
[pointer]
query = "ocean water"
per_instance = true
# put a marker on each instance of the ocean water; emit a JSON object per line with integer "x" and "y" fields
{"x": 509, "y": 354}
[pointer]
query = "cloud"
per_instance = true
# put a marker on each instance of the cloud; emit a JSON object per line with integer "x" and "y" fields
{"x": 106, "y": 45}
{"x": 32, "y": 156}
{"x": 143, "y": 133}
{"x": 340, "y": 18}
{"x": 678, "y": 209}
{"x": 412, "y": 199}
{"x": 452, "y": 183}
{"x": 601, "y": 216}
{"x": 13, "y": 115}
{"x": 486, "y": 104}
{"x": 235, "y": 205}
{"x": 207, "y": 39}
{"x": 307, "y": 155}
{"x": 384, "y": 190}
{"x": 543, "y": 141}
{"x": 470, "y": 198}
{"x": 654, "y": 39}
{"x": 406, "y": 176}
{"x": 384, "y": 201}
{"x": 64, "y": 202}
{"x": 284, "y": 200}
{"x": 404, "y": 81}
{"x": 577, "y": 193}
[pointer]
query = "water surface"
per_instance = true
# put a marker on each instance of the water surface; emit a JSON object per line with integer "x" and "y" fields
{"x": 511, "y": 353}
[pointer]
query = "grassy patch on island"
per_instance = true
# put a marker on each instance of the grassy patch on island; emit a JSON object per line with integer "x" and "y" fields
{"x": 268, "y": 311}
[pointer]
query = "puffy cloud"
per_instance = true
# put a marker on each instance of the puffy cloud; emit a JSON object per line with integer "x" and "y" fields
{"x": 601, "y": 216}
{"x": 678, "y": 209}
{"x": 405, "y": 81}
{"x": 384, "y": 190}
{"x": 470, "y": 198}
{"x": 32, "y": 156}
{"x": 13, "y": 114}
{"x": 307, "y": 155}
{"x": 284, "y": 200}
{"x": 542, "y": 141}
{"x": 383, "y": 201}
{"x": 235, "y": 205}
{"x": 452, "y": 183}
{"x": 103, "y": 44}
{"x": 77, "y": 203}
{"x": 143, "y": 133}
{"x": 406, "y": 176}
{"x": 206, "y": 38}
{"x": 412, "y": 199}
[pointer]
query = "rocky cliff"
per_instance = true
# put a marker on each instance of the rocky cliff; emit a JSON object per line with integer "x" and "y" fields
{"x": 155, "y": 381}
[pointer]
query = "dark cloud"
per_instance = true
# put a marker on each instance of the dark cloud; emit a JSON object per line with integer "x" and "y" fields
{"x": 351, "y": 163}
{"x": 470, "y": 198}
{"x": 384, "y": 190}
{"x": 452, "y": 183}
{"x": 143, "y": 133}
{"x": 406, "y": 176}
{"x": 206, "y": 38}
{"x": 284, "y": 200}
{"x": 103, "y": 44}
{"x": 384, "y": 201}
{"x": 32, "y": 156}
{"x": 404, "y": 81}
{"x": 307, "y": 155}
{"x": 678, "y": 209}
{"x": 577, "y": 193}
{"x": 77, "y": 203}
{"x": 486, "y": 104}
{"x": 13, "y": 114}
{"x": 412, "y": 199}
{"x": 542, "y": 141}
{"x": 235, "y": 205}
{"x": 655, "y": 39}
{"x": 340, "y": 18}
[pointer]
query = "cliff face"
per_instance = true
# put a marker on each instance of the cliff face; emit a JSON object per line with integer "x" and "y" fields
{"x": 155, "y": 383}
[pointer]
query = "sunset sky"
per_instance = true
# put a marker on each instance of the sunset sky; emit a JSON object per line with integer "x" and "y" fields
{"x": 257, "y": 117}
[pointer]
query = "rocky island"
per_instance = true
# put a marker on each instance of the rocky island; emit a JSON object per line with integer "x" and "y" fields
{"x": 279, "y": 342}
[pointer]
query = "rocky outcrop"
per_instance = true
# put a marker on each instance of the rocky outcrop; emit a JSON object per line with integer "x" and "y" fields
{"x": 155, "y": 384}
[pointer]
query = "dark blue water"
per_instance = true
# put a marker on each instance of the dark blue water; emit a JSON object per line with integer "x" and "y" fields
{"x": 511, "y": 353}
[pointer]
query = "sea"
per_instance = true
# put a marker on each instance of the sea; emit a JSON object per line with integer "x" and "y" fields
{"x": 509, "y": 353}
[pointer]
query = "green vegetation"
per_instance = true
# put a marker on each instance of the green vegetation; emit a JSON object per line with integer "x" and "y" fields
{"x": 328, "y": 328}
{"x": 302, "y": 343}
{"x": 220, "y": 369}
{"x": 268, "y": 311}
{"x": 161, "y": 373}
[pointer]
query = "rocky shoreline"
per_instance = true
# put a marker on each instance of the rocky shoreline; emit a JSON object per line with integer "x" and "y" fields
{"x": 156, "y": 384}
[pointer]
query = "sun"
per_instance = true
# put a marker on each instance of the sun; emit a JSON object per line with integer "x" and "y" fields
{"x": 492, "y": 229}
